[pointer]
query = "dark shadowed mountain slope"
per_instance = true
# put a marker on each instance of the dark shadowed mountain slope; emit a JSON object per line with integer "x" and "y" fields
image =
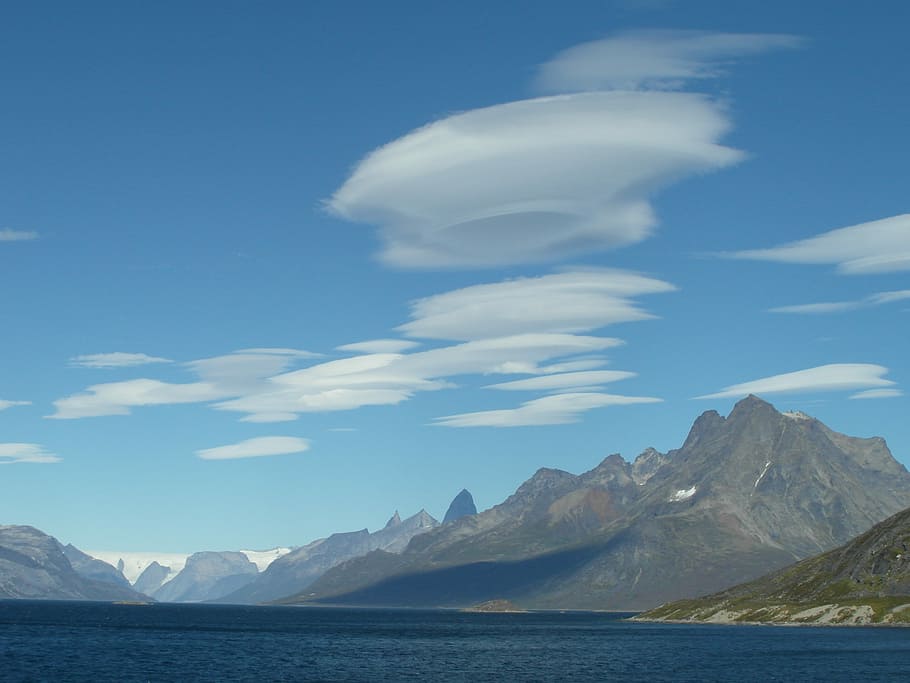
{"x": 299, "y": 568}
{"x": 744, "y": 495}
{"x": 33, "y": 565}
{"x": 864, "y": 581}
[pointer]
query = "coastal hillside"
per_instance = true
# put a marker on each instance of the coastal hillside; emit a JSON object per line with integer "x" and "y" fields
{"x": 865, "y": 581}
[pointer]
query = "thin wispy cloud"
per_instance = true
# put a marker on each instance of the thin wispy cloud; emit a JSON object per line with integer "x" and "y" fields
{"x": 10, "y": 235}
{"x": 117, "y": 359}
{"x": 881, "y": 246}
{"x": 832, "y": 377}
{"x": 5, "y": 404}
{"x": 564, "y": 381}
{"x": 259, "y": 447}
{"x": 11, "y": 453}
{"x": 880, "y": 299}
{"x": 380, "y": 346}
{"x": 878, "y": 393}
{"x": 548, "y": 410}
{"x": 543, "y": 179}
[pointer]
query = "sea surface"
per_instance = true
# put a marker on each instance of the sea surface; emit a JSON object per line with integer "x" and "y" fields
{"x": 71, "y": 641}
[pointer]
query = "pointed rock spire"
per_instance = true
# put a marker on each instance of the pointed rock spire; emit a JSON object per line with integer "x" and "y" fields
{"x": 394, "y": 521}
{"x": 463, "y": 504}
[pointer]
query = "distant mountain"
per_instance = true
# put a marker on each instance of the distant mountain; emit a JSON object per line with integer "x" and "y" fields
{"x": 462, "y": 505}
{"x": 152, "y": 577}
{"x": 34, "y": 565}
{"x": 208, "y": 576}
{"x": 744, "y": 495}
{"x": 90, "y": 568}
{"x": 865, "y": 581}
{"x": 295, "y": 571}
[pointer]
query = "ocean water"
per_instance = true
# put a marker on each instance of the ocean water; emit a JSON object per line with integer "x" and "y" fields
{"x": 70, "y": 641}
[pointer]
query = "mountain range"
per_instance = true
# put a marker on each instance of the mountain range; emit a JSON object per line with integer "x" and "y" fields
{"x": 743, "y": 495}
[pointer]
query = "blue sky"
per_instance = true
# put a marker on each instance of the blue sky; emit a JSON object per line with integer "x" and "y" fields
{"x": 273, "y": 270}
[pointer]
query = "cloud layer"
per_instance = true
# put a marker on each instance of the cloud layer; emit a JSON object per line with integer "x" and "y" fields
{"x": 5, "y": 404}
{"x": 833, "y": 377}
{"x": 10, "y": 235}
{"x": 256, "y": 448}
{"x": 568, "y": 302}
{"x": 25, "y": 452}
{"x": 117, "y": 359}
{"x": 548, "y": 410}
{"x": 880, "y": 299}
{"x": 881, "y": 246}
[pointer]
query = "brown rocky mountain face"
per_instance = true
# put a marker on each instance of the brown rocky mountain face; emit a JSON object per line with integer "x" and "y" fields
{"x": 744, "y": 495}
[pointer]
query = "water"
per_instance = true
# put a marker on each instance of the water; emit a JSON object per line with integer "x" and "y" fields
{"x": 53, "y": 641}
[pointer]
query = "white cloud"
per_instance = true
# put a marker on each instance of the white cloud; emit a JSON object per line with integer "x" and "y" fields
{"x": 256, "y": 448}
{"x": 390, "y": 378}
{"x": 563, "y": 381}
{"x": 25, "y": 452}
{"x": 223, "y": 377}
{"x": 833, "y": 377}
{"x": 380, "y": 346}
{"x": 532, "y": 181}
{"x": 117, "y": 398}
{"x": 117, "y": 359}
{"x": 881, "y": 246}
{"x": 652, "y": 59}
{"x": 879, "y": 299}
{"x": 9, "y": 235}
{"x": 546, "y": 178}
{"x": 878, "y": 393}
{"x": 578, "y": 301}
{"x": 549, "y": 410}
{"x": 5, "y": 404}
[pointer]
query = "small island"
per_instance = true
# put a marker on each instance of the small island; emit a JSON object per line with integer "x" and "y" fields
{"x": 502, "y": 606}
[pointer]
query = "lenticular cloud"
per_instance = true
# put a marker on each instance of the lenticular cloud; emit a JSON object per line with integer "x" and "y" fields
{"x": 534, "y": 180}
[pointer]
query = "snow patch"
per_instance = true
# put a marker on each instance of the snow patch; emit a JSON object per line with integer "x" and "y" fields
{"x": 761, "y": 476}
{"x": 797, "y": 415}
{"x": 135, "y": 563}
{"x": 263, "y": 558}
{"x": 682, "y": 494}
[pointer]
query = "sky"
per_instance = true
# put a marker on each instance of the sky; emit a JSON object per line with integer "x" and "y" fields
{"x": 274, "y": 270}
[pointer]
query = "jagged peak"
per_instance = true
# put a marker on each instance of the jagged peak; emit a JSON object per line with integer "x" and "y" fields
{"x": 395, "y": 520}
{"x": 750, "y": 404}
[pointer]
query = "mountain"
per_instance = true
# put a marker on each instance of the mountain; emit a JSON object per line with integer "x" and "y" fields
{"x": 864, "y": 581}
{"x": 208, "y": 576}
{"x": 296, "y": 570}
{"x": 90, "y": 568}
{"x": 462, "y": 505}
{"x": 151, "y": 578}
{"x": 34, "y": 565}
{"x": 745, "y": 494}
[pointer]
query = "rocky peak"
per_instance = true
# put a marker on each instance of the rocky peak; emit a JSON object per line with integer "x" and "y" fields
{"x": 461, "y": 505}
{"x": 395, "y": 520}
{"x": 707, "y": 424}
{"x": 646, "y": 465}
